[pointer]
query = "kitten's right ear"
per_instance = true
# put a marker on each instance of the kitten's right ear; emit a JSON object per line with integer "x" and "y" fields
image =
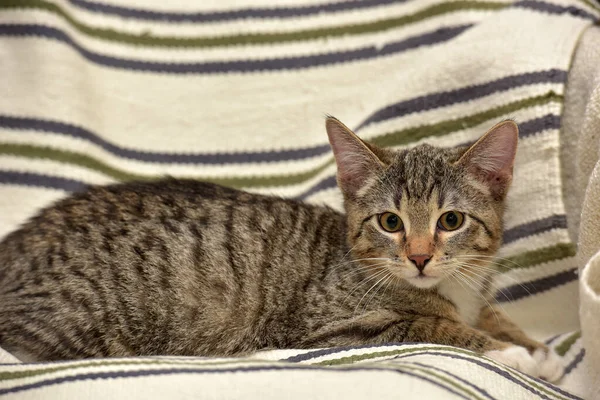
{"x": 356, "y": 163}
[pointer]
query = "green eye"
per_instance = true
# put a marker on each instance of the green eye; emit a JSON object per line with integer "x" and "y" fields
{"x": 390, "y": 222}
{"x": 451, "y": 221}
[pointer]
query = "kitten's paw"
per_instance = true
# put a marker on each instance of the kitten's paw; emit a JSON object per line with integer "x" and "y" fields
{"x": 516, "y": 357}
{"x": 550, "y": 365}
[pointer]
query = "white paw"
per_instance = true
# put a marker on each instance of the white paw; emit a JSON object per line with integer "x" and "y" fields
{"x": 550, "y": 365}
{"x": 516, "y": 357}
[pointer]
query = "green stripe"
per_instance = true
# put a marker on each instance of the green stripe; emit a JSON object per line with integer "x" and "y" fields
{"x": 566, "y": 344}
{"x": 380, "y": 366}
{"x": 591, "y": 4}
{"x": 539, "y": 256}
{"x": 388, "y": 367}
{"x": 38, "y": 372}
{"x": 12, "y": 374}
{"x": 86, "y": 161}
{"x": 403, "y": 137}
{"x": 149, "y": 39}
{"x": 386, "y": 353}
{"x": 406, "y": 136}
{"x": 430, "y": 372}
{"x": 363, "y": 357}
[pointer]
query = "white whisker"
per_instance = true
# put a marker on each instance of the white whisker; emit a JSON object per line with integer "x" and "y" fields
{"x": 362, "y": 282}
{"x": 470, "y": 282}
{"x": 367, "y": 292}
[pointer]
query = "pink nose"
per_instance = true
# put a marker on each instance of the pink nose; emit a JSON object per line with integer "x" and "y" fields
{"x": 420, "y": 260}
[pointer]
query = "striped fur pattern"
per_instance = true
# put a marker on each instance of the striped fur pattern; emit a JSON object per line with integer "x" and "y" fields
{"x": 189, "y": 268}
{"x": 233, "y": 93}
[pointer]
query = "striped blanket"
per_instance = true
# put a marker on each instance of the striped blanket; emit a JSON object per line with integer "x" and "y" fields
{"x": 234, "y": 92}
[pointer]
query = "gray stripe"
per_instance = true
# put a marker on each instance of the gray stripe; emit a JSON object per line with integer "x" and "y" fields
{"x": 109, "y": 375}
{"x": 504, "y": 374}
{"x": 215, "y": 16}
{"x": 310, "y": 355}
{"x": 573, "y": 364}
{"x": 531, "y": 127}
{"x": 38, "y": 180}
{"x": 535, "y": 227}
{"x": 552, "y": 339}
{"x": 481, "y": 391}
{"x": 220, "y": 67}
{"x": 555, "y": 9}
{"x": 547, "y": 122}
{"x": 443, "y": 99}
{"x": 284, "y": 12}
{"x": 318, "y": 353}
{"x": 516, "y": 292}
{"x": 325, "y": 184}
{"x": 42, "y": 125}
{"x": 526, "y": 128}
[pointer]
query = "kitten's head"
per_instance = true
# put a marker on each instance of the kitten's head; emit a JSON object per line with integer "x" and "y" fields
{"x": 427, "y": 213}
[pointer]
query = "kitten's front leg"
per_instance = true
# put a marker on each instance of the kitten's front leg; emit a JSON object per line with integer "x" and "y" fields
{"x": 499, "y": 326}
{"x": 380, "y": 327}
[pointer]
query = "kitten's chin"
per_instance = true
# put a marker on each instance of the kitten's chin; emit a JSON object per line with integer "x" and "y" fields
{"x": 424, "y": 282}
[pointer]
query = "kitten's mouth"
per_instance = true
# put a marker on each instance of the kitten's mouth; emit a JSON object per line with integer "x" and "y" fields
{"x": 423, "y": 281}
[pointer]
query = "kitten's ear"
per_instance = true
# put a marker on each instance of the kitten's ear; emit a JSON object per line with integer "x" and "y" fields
{"x": 356, "y": 162}
{"x": 491, "y": 158}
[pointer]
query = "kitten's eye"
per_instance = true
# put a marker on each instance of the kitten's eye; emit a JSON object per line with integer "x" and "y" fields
{"x": 451, "y": 221}
{"x": 390, "y": 222}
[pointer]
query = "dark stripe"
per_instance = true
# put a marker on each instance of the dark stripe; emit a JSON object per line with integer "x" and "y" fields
{"x": 502, "y": 373}
{"x": 323, "y": 352}
{"x": 529, "y": 128}
{"x": 149, "y": 39}
{"x": 327, "y": 183}
{"x": 42, "y": 125}
{"x": 181, "y": 371}
{"x": 555, "y": 9}
{"x": 406, "y": 136}
{"x": 458, "y": 378}
{"x": 487, "y": 230}
{"x": 362, "y": 225}
{"x": 546, "y": 122}
{"x": 229, "y": 15}
{"x": 239, "y": 66}
{"x": 38, "y": 180}
{"x": 229, "y": 239}
{"x": 535, "y": 227}
{"x": 442, "y": 99}
{"x": 282, "y": 12}
{"x": 551, "y": 339}
{"x": 573, "y": 364}
{"x": 83, "y": 160}
{"x": 75, "y": 131}
{"x": 516, "y": 292}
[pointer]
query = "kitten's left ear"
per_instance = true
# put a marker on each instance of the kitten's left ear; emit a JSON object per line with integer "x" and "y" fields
{"x": 492, "y": 157}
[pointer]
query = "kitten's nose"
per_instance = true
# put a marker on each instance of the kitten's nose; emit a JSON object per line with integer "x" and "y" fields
{"x": 420, "y": 260}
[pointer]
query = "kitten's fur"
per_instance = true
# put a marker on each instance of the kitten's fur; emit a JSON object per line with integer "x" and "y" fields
{"x": 189, "y": 268}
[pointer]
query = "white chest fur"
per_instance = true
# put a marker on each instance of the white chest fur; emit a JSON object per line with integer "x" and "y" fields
{"x": 466, "y": 298}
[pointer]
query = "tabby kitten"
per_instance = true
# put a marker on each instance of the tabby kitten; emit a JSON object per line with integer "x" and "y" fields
{"x": 180, "y": 267}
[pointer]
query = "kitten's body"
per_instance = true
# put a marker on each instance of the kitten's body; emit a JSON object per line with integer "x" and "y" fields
{"x": 190, "y": 268}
